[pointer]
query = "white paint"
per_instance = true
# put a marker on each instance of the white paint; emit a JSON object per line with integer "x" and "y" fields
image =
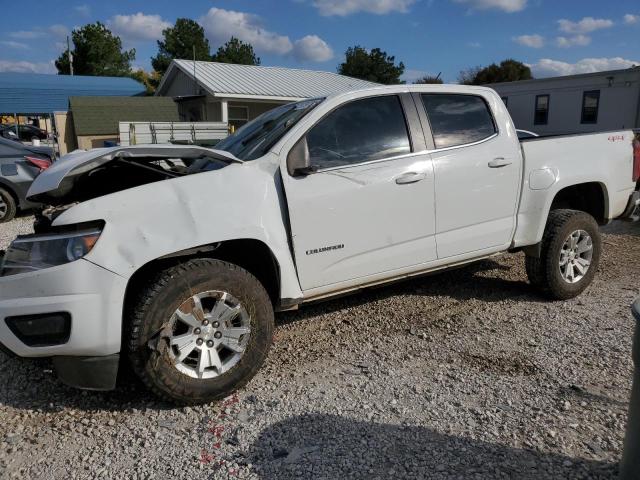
{"x": 92, "y": 295}
{"x": 475, "y": 203}
{"x": 542, "y": 178}
{"x": 381, "y": 225}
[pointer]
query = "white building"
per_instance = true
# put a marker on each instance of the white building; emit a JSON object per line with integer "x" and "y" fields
{"x": 223, "y": 92}
{"x": 591, "y": 102}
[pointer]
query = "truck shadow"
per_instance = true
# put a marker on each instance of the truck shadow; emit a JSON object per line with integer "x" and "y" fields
{"x": 622, "y": 228}
{"x": 31, "y": 384}
{"x": 477, "y": 281}
{"x": 327, "y": 446}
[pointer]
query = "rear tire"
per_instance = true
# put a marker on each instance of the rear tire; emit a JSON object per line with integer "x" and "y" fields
{"x": 569, "y": 256}
{"x": 8, "y": 207}
{"x": 200, "y": 331}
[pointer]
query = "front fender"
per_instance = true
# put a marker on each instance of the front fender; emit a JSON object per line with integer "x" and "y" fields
{"x": 145, "y": 223}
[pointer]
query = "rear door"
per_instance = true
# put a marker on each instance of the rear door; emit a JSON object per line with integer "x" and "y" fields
{"x": 369, "y": 209}
{"x": 477, "y": 173}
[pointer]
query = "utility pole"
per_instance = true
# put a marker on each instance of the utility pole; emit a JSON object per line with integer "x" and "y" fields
{"x": 70, "y": 56}
{"x": 195, "y": 79}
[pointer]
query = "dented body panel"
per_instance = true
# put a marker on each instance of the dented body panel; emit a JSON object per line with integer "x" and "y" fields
{"x": 148, "y": 222}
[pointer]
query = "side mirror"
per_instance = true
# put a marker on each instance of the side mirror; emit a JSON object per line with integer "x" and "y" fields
{"x": 298, "y": 162}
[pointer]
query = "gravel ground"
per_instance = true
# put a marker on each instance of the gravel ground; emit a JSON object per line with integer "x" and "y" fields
{"x": 467, "y": 374}
{"x": 18, "y": 226}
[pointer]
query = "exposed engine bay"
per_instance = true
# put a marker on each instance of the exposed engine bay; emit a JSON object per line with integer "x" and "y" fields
{"x": 97, "y": 177}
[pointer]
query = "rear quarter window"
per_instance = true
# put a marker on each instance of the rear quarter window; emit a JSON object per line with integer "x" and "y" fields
{"x": 458, "y": 119}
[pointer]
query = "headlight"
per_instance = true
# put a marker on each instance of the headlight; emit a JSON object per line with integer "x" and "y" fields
{"x": 37, "y": 252}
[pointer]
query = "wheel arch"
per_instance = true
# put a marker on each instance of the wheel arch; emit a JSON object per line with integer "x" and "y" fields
{"x": 11, "y": 189}
{"x": 263, "y": 265}
{"x": 588, "y": 197}
{"x": 251, "y": 254}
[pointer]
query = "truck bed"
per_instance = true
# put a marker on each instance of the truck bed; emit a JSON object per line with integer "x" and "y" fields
{"x": 553, "y": 163}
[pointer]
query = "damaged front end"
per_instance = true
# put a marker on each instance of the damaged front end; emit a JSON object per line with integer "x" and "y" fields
{"x": 82, "y": 176}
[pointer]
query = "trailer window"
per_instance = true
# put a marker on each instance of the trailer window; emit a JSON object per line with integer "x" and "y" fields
{"x": 590, "y": 104}
{"x": 541, "y": 115}
{"x": 458, "y": 119}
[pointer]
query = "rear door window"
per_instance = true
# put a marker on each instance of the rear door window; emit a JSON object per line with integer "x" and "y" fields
{"x": 360, "y": 131}
{"x": 458, "y": 119}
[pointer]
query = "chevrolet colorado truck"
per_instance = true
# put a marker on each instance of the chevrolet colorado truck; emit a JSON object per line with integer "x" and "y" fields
{"x": 176, "y": 257}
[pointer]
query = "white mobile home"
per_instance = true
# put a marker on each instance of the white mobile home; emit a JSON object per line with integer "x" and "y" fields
{"x": 591, "y": 102}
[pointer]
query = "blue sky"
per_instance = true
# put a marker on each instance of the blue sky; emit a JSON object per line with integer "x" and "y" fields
{"x": 555, "y": 37}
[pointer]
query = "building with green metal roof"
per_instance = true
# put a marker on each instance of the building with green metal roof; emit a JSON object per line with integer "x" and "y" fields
{"x": 92, "y": 121}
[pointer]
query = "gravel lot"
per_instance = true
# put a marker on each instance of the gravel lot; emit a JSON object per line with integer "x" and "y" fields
{"x": 18, "y": 226}
{"x": 467, "y": 374}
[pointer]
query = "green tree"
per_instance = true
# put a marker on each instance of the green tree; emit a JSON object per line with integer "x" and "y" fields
{"x": 97, "y": 52}
{"x": 374, "y": 66}
{"x": 429, "y": 79}
{"x": 508, "y": 71}
{"x": 179, "y": 42}
{"x": 236, "y": 51}
{"x": 468, "y": 76}
{"x": 149, "y": 80}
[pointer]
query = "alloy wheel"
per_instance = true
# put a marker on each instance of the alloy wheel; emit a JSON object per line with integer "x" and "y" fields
{"x": 208, "y": 334}
{"x": 575, "y": 256}
{"x": 3, "y": 207}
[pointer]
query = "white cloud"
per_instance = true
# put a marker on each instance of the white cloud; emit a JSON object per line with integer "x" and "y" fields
{"x": 474, "y": 44}
{"x": 59, "y": 31}
{"x": 586, "y": 25}
{"x": 346, "y": 7}
{"x": 630, "y": 19}
{"x": 547, "y": 67}
{"x": 27, "y": 67}
{"x": 508, "y": 6}
{"x": 533, "y": 41}
{"x": 220, "y": 25}
{"x": 138, "y": 26}
{"x": 14, "y": 44}
{"x": 312, "y": 48}
{"x": 574, "y": 41}
{"x": 83, "y": 10}
{"x": 27, "y": 34}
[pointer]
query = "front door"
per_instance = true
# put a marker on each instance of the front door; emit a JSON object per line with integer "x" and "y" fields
{"x": 370, "y": 207}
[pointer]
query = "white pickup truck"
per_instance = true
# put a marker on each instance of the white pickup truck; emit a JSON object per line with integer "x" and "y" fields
{"x": 177, "y": 257}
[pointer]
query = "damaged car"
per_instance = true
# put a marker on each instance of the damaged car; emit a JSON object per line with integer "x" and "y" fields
{"x": 176, "y": 257}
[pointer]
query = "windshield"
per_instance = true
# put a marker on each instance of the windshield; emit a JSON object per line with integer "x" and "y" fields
{"x": 255, "y": 138}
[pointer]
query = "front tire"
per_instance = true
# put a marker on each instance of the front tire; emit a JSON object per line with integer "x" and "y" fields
{"x": 570, "y": 252}
{"x": 200, "y": 331}
{"x": 8, "y": 207}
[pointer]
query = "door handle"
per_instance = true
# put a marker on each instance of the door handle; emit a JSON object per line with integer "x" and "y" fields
{"x": 411, "y": 177}
{"x": 499, "y": 162}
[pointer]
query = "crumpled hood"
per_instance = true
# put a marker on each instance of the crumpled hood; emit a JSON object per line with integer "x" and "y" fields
{"x": 59, "y": 178}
